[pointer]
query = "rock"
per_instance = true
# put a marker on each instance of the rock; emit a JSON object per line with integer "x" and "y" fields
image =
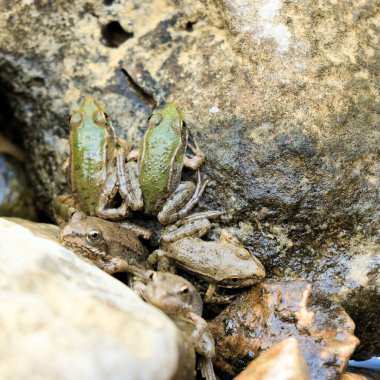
{"x": 15, "y": 192}
{"x": 62, "y": 318}
{"x": 281, "y": 96}
{"x": 283, "y": 361}
{"x": 273, "y": 311}
{"x": 352, "y": 376}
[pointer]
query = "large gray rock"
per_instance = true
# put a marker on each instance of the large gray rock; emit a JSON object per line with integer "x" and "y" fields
{"x": 62, "y": 318}
{"x": 282, "y": 97}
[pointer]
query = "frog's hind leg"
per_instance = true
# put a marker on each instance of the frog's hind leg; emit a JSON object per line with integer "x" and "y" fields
{"x": 129, "y": 187}
{"x": 108, "y": 193}
{"x": 183, "y": 199}
{"x": 206, "y": 367}
{"x": 194, "y": 228}
{"x": 194, "y": 225}
{"x": 160, "y": 258}
{"x": 197, "y": 160}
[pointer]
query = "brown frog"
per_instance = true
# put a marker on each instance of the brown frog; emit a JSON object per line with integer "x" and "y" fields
{"x": 225, "y": 263}
{"x": 112, "y": 246}
{"x": 179, "y": 299}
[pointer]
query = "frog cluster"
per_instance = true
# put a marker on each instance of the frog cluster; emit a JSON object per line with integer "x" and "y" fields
{"x": 109, "y": 181}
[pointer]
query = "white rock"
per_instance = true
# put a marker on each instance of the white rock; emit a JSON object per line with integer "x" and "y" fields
{"x": 62, "y": 318}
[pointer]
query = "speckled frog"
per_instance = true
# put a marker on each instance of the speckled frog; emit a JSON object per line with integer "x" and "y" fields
{"x": 225, "y": 263}
{"x": 91, "y": 168}
{"x": 161, "y": 159}
{"x": 179, "y": 299}
{"x": 112, "y": 246}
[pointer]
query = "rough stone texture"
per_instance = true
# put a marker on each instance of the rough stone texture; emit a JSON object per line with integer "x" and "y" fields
{"x": 283, "y": 361}
{"x": 273, "y": 311}
{"x": 282, "y": 96}
{"x": 61, "y": 318}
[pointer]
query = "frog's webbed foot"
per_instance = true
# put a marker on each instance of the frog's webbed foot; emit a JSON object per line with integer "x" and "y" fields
{"x": 212, "y": 297}
{"x": 64, "y": 207}
{"x": 174, "y": 208}
{"x": 160, "y": 258}
{"x": 108, "y": 193}
{"x": 197, "y": 160}
{"x": 129, "y": 187}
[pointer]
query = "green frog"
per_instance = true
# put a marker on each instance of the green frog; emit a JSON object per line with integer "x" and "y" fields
{"x": 179, "y": 299}
{"x": 161, "y": 158}
{"x": 112, "y": 246}
{"x": 222, "y": 264}
{"x": 91, "y": 168}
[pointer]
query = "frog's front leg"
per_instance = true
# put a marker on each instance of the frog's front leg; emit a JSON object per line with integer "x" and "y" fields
{"x": 195, "y": 161}
{"x": 183, "y": 199}
{"x": 200, "y": 326}
{"x": 161, "y": 259}
{"x": 108, "y": 193}
{"x": 212, "y": 297}
{"x": 114, "y": 265}
{"x": 129, "y": 187}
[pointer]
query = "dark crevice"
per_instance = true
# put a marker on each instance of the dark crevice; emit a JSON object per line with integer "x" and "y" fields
{"x": 145, "y": 96}
{"x": 114, "y": 35}
{"x": 108, "y": 2}
{"x": 189, "y": 26}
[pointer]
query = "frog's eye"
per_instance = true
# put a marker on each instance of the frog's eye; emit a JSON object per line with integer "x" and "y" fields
{"x": 154, "y": 120}
{"x": 93, "y": 236}
{"x": 242, "y": 253}
{"x": 99, "y": 118}
{"x": 184, "y": 289}
{"x": 76, "y": 119}
{"x": 234, "y": 280}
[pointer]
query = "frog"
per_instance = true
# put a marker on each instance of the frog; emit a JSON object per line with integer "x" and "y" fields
{"x": 180, "y": 300}
{"x": 158, "y": 165}
{"x": 224, "y": 263}
{"x": 113, "y": 246}
{"x": 92, "y": 164}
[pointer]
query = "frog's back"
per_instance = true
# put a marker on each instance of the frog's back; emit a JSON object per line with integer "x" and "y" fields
{"x": 87, "y": 164}
{"x": 161, "y": 164}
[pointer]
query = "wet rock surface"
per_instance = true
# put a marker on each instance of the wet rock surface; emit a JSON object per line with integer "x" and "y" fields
{"x": 281, "y": 96}
{"x": 273, "y": 311}
{"x": 62, "y": 318}
{"x": 15, "y": 192}
{"x": 283, "y": 361}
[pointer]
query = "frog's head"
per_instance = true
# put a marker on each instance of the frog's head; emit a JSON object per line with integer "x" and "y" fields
{"x": 90, "y": 113}
{"x": 85, "y": 235}
{"x": 245, "y": 270}
{"x": 169, "y": 115}
{"x": 172, "y": 294}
